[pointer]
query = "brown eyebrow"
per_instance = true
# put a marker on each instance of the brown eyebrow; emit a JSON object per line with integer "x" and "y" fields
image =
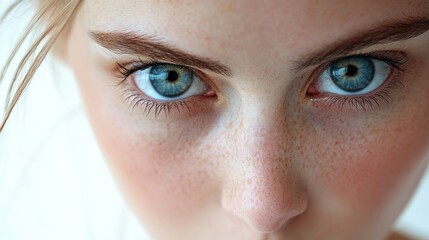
{"x": 382, "y": 34}
{"x": 148, "y": 46}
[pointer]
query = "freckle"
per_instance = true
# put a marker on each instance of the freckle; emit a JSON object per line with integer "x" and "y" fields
{"x": 229, "y": 124}
{"x": 208, "y": 39}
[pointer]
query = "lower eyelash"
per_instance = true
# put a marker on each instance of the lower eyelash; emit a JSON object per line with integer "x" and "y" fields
{"x": 134, "y": 99}
{"x": 365, "y": 102}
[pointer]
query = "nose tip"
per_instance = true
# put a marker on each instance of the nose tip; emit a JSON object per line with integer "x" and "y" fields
{"x": 265, "y": 207}
{"x": 261, "y": 183}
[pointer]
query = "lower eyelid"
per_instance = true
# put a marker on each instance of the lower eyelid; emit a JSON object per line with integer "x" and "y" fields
{"x": 371, "y": 101}
{"x": 163, "y": 110}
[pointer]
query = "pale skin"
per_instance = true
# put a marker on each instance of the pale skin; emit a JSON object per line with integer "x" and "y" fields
{"x": 257, "y": 157}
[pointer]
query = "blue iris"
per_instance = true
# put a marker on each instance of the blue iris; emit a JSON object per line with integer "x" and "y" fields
{"x": 352, "y": 74}
{"x": 170, "y": 80}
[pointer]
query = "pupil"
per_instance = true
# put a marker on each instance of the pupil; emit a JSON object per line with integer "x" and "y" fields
{"x": 351, "y": 70}
{"x": 172, "y": 76}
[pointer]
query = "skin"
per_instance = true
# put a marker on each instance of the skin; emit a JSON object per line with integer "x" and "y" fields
{"x": 260, "y": 160}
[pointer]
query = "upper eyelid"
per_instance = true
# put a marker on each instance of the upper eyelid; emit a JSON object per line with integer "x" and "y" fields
{"x": 397, "y": 59}
{"x": 140, "y": 65}
{"x": 146, "y": 64}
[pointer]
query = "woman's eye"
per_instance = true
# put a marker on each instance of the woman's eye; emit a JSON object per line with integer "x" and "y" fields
{"x": 353, "y": 76}
{"x": 166, "y": 82}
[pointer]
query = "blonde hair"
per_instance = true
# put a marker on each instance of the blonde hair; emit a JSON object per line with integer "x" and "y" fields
{"x": 53, "y": 17}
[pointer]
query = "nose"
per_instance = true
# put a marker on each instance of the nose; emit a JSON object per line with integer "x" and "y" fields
{"x": 261, "y": 186}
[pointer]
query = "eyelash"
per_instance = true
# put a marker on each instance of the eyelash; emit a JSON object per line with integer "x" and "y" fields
{"x": 364, "y": 103}
{"x": 396, "y": 60}
{"x": 134, "y": 98}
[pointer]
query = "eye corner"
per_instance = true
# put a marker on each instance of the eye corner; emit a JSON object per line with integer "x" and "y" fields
{"x": 312, "y": 90}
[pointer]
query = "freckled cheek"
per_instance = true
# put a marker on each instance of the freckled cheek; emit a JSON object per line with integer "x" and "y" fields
{"x": 373, "y": 167}
{"x": 159, "y": 172}
{"x": 372, "y": 174}
{"x": 152, "y": 173}
{"x": 154, "y": 184}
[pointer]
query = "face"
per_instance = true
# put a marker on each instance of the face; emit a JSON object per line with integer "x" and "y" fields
{"x": 258, "y": 119}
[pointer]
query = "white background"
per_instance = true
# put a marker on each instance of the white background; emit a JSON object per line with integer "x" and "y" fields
{"x": 53, "y": 181}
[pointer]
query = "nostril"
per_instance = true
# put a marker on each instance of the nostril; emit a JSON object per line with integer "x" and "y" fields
{"x": 267, "y": 220}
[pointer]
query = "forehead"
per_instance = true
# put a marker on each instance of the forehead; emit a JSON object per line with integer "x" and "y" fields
{"x": 279, "y": 28}
{"x": 248, "y": 17}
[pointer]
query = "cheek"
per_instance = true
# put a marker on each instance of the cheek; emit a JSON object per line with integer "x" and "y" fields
{"x": 162, "y": 173}
{"x": 367, "y": 167}
{"x": 370, "y": 167}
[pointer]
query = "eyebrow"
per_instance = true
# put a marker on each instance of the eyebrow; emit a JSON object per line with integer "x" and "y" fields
{"x": 384, "y": 33}
{"x": 148, "y": 46}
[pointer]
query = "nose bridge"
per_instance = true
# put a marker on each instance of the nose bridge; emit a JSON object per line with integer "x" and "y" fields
{"x": 260, "y": 136}
{"x": 262, "y": 188}
{"x": 261, "y": 120}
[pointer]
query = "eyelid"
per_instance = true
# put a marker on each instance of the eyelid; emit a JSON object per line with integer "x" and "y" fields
{"x": 179, "y": 108}
{"x": 382, "y": 95}
{"x": 127, "y": 68}
{"x": 396, "y": 59}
